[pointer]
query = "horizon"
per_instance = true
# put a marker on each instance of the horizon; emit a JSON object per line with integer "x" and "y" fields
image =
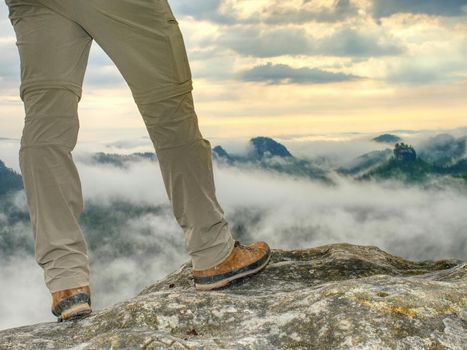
{"x": 329, "y": 145}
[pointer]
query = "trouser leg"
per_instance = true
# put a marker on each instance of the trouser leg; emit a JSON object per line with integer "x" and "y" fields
{"x": 144, "y": 40}
{"x": 53, "y": 52}
{"x": 186, "y": 165}
{"x": 53, "y": 187}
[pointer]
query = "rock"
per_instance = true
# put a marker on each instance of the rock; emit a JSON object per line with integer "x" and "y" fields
{"x": 267, "y": 147}
{"x": 219, "y": 153}
{"x": 337, "y": 296}
{"x": 404, "y": 153}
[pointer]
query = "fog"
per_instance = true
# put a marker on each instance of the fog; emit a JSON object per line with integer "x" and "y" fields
{"x": 413, "y": 222}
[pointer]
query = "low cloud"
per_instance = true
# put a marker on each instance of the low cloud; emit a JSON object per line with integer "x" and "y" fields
{"x": 206, "y": 10}
{"x": 272, "y": 12}
{"x": 452, "y": 8}
{"x": 276, "y": 42}
{"x": 9, "y": 65}
{"x": 251, "y": 41}
{"x": 444, "y": 149}
{"x": 9, "y": 59}
{"x": 282, "y": 73}
{"x": 280, "y": 13}
{"x": 428, "y": 69}
{"x": 348, "y": 42}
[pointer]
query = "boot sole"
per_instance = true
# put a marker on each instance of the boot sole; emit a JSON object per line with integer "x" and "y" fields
{"x": 75, "y": 312}
{"x": 226, "y": 281}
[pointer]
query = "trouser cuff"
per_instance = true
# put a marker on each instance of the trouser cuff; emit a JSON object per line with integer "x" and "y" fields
{"x": 67, "y": 283}
{"x": 213, "y": 256}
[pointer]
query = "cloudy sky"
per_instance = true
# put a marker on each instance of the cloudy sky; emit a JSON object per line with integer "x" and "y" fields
{"x": 295, "y": 67}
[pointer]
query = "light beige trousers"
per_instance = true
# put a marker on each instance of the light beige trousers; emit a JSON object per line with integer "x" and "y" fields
{"x": 143, "y": 39}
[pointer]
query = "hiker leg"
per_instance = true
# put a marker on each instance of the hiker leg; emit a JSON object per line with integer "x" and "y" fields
{"x": 144, "y": 40}
{"x": 53, "y": 53}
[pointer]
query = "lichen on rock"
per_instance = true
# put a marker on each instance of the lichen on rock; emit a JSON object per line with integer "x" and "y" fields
{"x": 336, "y": 296}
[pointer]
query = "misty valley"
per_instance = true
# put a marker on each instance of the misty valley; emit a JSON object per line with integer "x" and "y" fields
{"x": 410, "y": 201}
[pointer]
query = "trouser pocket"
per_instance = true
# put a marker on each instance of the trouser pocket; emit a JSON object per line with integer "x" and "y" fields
{"x": 181, "y": 71}
{"x": 177, "y": 51}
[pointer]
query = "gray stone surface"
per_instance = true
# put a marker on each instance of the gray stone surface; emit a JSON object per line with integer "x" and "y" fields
{"x": 337, "y": 296}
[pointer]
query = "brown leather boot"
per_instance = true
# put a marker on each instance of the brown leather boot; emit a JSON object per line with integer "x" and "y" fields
{"x": 71, "y": 304}
{"x": 242, "y": 262}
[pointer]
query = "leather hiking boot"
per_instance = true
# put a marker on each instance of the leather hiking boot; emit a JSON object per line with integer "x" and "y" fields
{"x": 242, "y": 262}
{"x": 71, "y": 304}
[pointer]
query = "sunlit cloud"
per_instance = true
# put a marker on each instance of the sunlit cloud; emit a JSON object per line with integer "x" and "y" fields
{"x": 274, "y": 74}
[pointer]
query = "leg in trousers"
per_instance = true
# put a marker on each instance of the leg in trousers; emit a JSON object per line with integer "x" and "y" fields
{"x": 53, "y": 54}
{"x": 144, "y": 41}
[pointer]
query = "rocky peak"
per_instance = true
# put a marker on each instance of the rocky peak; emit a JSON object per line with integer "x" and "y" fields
{"x": 404, "y": 153}
{"x": 219, "y": 152}
{"x": 265, "y": 146}
{"x": 336, "y": 296}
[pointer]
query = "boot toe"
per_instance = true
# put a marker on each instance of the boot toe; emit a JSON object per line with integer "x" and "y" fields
{"x": 243, "y": 261}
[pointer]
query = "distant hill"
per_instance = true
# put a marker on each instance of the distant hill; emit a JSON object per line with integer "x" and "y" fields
{"x": 264, "y": 153}
{"x": 122, "y": 160}
{"x": 10, "y": 180}
{"x": 268, "y": 154}
{"x": 387, "y": 138}
{"x": 406, "y": 166}
{"x": 220, "y": 154}
{"x": 365, "y": 162}
{"x": 259, "y": 148}
{"x": 415, "y": 171}
{"x": 265, "y": 146}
